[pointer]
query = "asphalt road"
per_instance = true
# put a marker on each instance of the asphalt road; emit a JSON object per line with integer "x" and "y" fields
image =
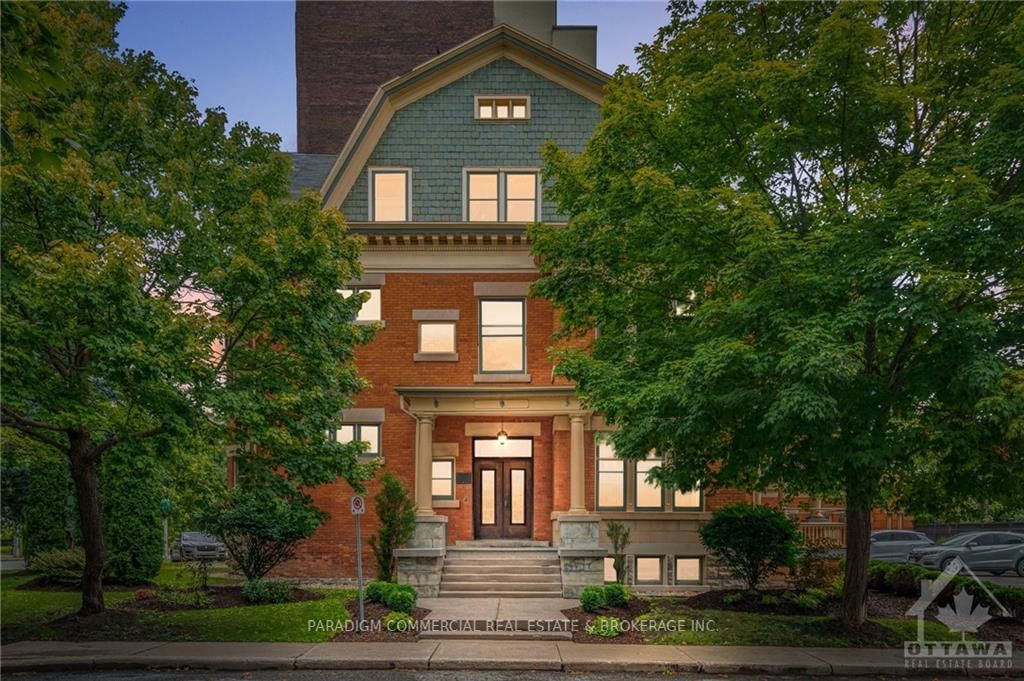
{"x": 303, "y": 675}
{"x": 1006, "y": 579}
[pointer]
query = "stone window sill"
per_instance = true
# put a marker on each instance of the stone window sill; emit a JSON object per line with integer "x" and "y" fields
{"x": 446, "y": 503}
{"x": 435, "y": 357}
{"x": 501, "y": 378}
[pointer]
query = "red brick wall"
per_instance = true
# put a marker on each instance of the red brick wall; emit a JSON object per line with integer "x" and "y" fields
{"x": 345, "y": 50}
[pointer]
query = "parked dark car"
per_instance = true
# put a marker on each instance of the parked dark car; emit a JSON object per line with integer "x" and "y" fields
{"x": 995, "y": 552}
{"x": 198, "y": 546}
{"x": 895, "y": 546}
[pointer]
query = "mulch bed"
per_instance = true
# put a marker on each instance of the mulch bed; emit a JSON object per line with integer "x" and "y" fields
{"x": 220, "y": 597}
{"x": 373, "y": 614}
{"x": 41, "y": 584}
{"x": 633, "y": 609}
{"x": 718, "y": 600}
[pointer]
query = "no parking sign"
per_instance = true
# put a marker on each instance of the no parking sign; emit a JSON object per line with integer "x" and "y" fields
{"x": 358, "y": 504}
{"x": 358, "y": 509}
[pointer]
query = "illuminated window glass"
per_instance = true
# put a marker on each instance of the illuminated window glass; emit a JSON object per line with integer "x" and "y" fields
{"x": 648, "y": 494}
{"x": 483, "y": 197}
{"x": 502, "y": 336}
{"x": 437, "y": 336}
{"x": 687, "y": 501}
{"x": 648, "y": 569}
{"x": 370, "y": 311}
{"x": 390, "y": 195}
{"x": 609, "y": 569}
{"x": 365, "y": 432}
{"x": 611, "y": 478}
{"x": 502, "y": 108}
{"x": 442, "y": 479}
{"x": 688, "y": 570}
{"x": 520, "y": 197}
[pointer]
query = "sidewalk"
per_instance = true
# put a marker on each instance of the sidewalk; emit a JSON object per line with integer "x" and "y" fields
{"x": 461, "y": 654}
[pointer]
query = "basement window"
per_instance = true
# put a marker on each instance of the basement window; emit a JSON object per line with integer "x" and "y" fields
{"x": 488, "y": 108}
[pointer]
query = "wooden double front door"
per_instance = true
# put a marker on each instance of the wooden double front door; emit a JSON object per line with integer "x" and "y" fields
{"x": 503, "y": 498}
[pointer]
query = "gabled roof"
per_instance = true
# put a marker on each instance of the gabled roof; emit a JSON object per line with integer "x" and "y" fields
{"x": 502, "y": 41}
{"x": 309, "y": 171}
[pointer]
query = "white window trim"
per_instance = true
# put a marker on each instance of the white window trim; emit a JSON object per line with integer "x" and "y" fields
{"x": 370, "y": 172}
{"x": 501, "y": 172}
{"x": 476, "y": 109}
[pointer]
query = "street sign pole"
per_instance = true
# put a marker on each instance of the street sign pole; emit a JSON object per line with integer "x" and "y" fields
{"x": 358, "y": 508}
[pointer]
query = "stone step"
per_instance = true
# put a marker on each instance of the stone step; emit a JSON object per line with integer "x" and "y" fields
{"x": 552, "y": 577}
{"x": 490, "y": 562}
{"x": 501, "y": 543}
{"x": 556, "y": 593}
{"x": 492, "y": 570}
{"x": 489, "y": 587}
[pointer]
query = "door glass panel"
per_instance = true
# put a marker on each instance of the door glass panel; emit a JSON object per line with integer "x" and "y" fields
{"x": 518, "y": 492}
{"x": 487, "y": 497}
{"x": 493, "y": 449}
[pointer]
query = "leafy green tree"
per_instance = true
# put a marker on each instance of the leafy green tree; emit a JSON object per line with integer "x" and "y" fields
{"x": 798, "y": 228}
{"x": 132, "y": 528}
{"x": 752, "y": 542}
{"x": 396, "y": 514}
{"x": 159, "y": 282}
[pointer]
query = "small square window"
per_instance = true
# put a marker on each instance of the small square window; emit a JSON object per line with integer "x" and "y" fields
{"x": 437, "y": 337}
{"x": 502, "y": 108}
{"x": 688, "y": 570}
{"x": 370, "y": 311}
{"x": 648, "y": 570}
{"x": 442, "y": 479}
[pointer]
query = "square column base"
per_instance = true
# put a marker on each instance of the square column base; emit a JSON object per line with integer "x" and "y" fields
{"x": 579, "y": 554}
{"x": 421, "y": 560}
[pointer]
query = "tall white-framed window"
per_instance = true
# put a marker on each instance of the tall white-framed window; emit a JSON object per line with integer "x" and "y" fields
{"x": 502, "y": 195}
{"x": 390, "y": 195}
{"x": 611, "y": 477}
{"x": 371, "y": 309}
{"x": 502, "y": 335}
{"x": 364, "y": 432}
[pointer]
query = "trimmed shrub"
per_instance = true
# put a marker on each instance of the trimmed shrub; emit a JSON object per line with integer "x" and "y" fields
{"x": 592, "y": 598}
{"x": 49, "y": 506}
{"x": 808, "y": 601}
{"x": 376, "y": 591}
{"x": 396, "y": 512}
{"x": 398, "y": 621}
{"x": 616, "y": 595}
{"x": 904, "y": 580}
{"x": 769, "y": 599}
{"x": 401, "y": 600}
{"x": 618, "y": 535}
{"x": 752, "y": 541}
{"x": 818, "y": 564}
{"x": 261, "y": 528}
{"x": 264, "y": 591}
{"x": 60, "y": 566}
{"x": 730, "y": 599}
{"x": 132, "y": 525}
{"x": 605, "y": 626}
{"x": 878, "y": 575}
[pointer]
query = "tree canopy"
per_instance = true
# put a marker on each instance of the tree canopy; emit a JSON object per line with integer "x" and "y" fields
{"x": 158, "y": 280}
{"x": 799, "y": 232}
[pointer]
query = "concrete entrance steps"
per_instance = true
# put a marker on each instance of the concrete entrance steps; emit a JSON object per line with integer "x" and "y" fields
{"x": 501, "y": 570}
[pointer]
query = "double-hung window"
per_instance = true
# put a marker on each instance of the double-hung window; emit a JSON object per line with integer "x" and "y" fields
{"x": 611, "y": 478}
{"x": 389, "y": 195}
{"x": 370, "y": 311}
{"x": 502, "y": 336}
{"x": 502, "y": 196}
{"x": 362, "y": 432}
{"x": 649, "y": 495}
{"x": 442, "y": 479}
{"x": 688, "y": 501}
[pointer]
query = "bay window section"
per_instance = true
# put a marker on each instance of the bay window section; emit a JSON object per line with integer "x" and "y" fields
{"x": 611, "y": 478}
{"x": 502, "y": 336}
{"x": 649, "y": 495}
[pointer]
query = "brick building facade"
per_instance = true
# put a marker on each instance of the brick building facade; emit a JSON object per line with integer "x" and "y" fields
{"x": 428, "y": 138}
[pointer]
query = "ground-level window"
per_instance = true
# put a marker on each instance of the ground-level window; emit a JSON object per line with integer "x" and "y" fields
{"x": 609, "y": 570}
{"x": 442, "y": 479}
{"x": 389, "y": 195}
{"x": 502, "y": 336}
{"x": 611, "y": 478}
{"x": 688, "y": 570}
{"x": 648, "y": 569}
{"x": 370, "y": 311}
{"x": 365, "y": 432}
{"x": 649, "y": 495}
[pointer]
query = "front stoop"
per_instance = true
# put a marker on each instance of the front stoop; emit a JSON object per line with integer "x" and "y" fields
{"x": 501, "y": 570}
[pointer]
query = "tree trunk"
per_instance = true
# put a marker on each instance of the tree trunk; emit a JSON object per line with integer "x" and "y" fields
{"x": 858, "y": 553}
{"x": 87, "y": 489}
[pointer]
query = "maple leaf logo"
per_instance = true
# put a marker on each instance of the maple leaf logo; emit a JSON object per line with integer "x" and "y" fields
{"x": 963, "y": 616}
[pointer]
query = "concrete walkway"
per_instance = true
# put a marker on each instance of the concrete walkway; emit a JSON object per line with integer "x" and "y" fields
{"x": 461, "y": 654}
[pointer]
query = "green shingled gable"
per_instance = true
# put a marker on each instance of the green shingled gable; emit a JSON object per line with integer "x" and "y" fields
{"x": 437, "y": 137}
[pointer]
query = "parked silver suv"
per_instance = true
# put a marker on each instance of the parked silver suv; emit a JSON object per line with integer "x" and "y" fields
{"x": 198, "y": 546}
{"x": 995, "y": 552}
{"x": 894, "y": 546}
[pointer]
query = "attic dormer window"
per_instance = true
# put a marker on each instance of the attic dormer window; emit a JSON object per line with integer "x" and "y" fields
{"x": 502, "y": 108}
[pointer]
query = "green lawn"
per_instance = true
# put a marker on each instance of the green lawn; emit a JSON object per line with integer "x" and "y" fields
{"x": 29, "y": 614}
{"x": 179, "y": 575}
{"x": 754, "y": 629}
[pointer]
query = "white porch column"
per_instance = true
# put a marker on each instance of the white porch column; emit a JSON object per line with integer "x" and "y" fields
{"x": 424, "y": 462}
{"x": 576, "y": 477}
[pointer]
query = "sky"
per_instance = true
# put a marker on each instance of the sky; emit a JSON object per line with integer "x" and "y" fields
{"x": 241, "y": 54}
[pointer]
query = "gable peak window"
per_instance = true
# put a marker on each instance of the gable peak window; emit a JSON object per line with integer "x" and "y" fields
{"x": 389, "y": 195}
{"x": 501, "y": 108}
